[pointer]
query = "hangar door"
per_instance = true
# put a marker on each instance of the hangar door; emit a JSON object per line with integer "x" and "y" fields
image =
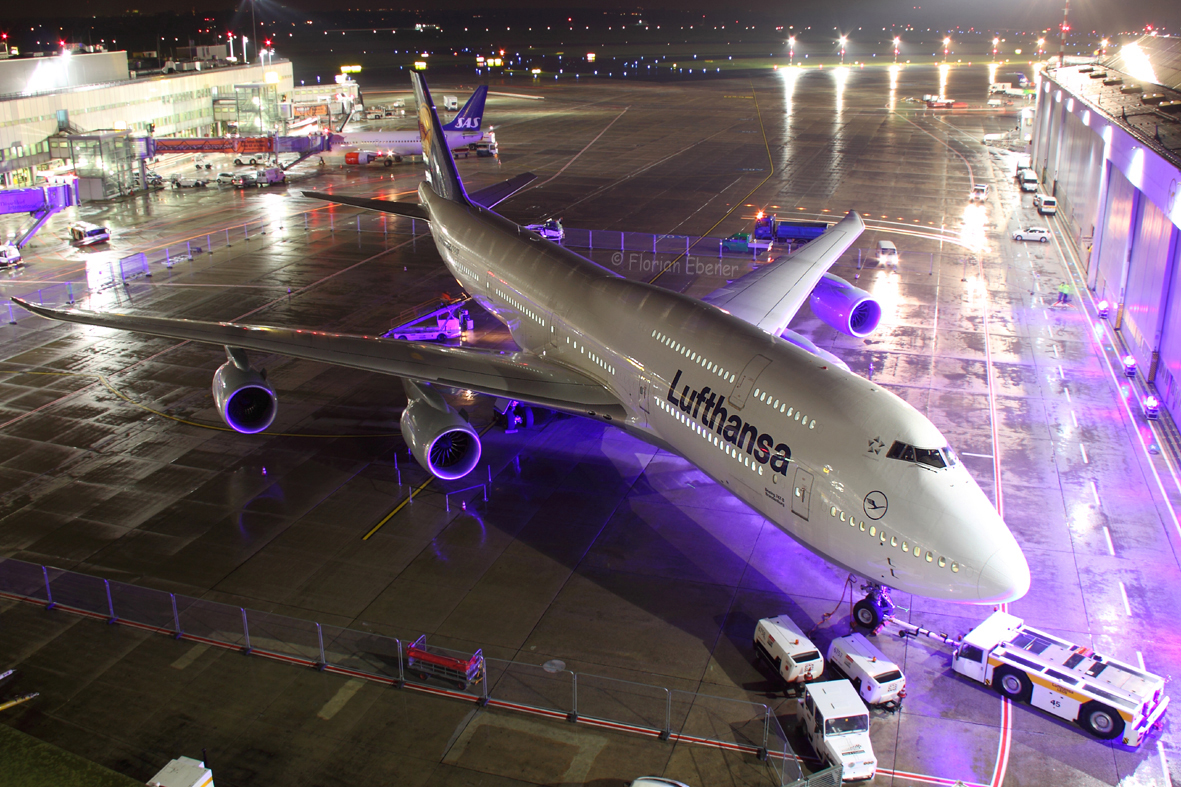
{"x": 1168, "y": 376}
{"x": 1117, "y": 226}
{"x": 1144, "y": 297}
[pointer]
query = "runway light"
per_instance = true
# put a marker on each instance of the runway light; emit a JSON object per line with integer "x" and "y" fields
{"x": 1151, "y": 408}
{"x": 1129, "y": 366}
{"x": 1104, "y": 309}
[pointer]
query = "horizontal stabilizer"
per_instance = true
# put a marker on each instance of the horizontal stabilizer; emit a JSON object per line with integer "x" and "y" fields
{"x": 411, "y": 210}
{"x": 494, "y": 195}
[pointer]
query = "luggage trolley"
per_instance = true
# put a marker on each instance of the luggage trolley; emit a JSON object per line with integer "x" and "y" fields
{"x": 426, "y": 662}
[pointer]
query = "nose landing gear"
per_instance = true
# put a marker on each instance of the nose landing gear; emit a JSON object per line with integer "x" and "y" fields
{"x": 873, "y": 610}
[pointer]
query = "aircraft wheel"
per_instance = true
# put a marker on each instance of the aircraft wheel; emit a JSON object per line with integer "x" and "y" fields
{"x": 1013, "y": 684}
{"x": 389, "y": 162}
{"x": 1100, "y": 720}
{"x": 866, "y": 614}
{"x": 527, "y": 417}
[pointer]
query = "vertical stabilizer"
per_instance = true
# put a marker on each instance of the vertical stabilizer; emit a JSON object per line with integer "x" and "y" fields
{"x": 440, "y": 166}
{"x": 470, "y": 117}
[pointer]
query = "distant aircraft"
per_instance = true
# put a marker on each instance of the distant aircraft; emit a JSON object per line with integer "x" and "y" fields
{"x": 840, "y": 464}
{"x": 465, "y": 129}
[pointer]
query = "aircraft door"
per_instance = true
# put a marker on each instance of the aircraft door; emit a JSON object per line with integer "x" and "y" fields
{"x": 801, "y": 494}
{"x": 746, "y": 381}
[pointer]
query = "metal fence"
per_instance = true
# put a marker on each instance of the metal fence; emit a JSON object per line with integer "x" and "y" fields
{"x": 548, "y": 690}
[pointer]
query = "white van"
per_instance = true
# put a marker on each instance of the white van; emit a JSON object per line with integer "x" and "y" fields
{"x": 1028, "y": 180}
{"x": 979, "y": 192}
{"x": 836, "y": 723}
{"x": 877, "y": 679}
{"x": 1045, "y": 204}
{"x": 994, "y": 103}
{"x": 782, "y": 645}
{"x": 10, "y": 255}
{"x": 83, "y": 233}
{"x": 450, "y": 102}
{"x": 887, "y": 253}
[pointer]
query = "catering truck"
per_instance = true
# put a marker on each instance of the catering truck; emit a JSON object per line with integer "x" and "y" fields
{"x": 1106, "y": 697}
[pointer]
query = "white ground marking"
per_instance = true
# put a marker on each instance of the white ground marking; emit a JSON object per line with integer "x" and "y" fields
{"x": 342, "y": 696}
{"x": 1123, "y": 591}
{"x": 1110, "y": 546}
{"x": 190, "y": 656}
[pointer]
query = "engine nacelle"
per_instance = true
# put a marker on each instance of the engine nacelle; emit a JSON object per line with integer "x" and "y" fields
{"x": 245, "y": 400}
{"x": 442, "y": 442}
{"x": 851, "y": 310}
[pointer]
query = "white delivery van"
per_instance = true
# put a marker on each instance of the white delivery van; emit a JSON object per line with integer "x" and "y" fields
{"x": 994, "y": 103}
{"x": 1045, "y": 204}
{"x": 836, "y": 723}
{"x": 450, "y": 102}
{"x": 877, "y": 679}
{"x": 781, "y": 643}
{"x": 1028, "y": 180}
{"x": 10, "y": 255}
{"x": 887, "y": 253}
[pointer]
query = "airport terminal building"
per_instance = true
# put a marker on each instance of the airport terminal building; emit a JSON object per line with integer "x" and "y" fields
{"x": 1107, "y": 144}
{"x": 81, "y": 93}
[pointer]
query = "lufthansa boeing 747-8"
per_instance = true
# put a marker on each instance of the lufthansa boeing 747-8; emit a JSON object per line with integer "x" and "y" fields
{"x": 842, "y": 465}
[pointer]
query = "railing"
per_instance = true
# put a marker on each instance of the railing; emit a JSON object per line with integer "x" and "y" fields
{"x": 548, "y": 689}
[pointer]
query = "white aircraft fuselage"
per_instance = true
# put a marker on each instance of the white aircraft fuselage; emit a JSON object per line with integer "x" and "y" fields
{"x": 407, "y": 142}
{"x": 801, "y": 441}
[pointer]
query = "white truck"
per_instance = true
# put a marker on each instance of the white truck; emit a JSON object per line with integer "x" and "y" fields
{"x": 1000, "y": 87}
{"x": 836, "y": 723}
{"x": 1106, "y": 697}
{"x": 780, "y": 643}
{"x": 877, "y": 680}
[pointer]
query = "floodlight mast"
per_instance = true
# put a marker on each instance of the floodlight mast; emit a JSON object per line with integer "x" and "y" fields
{"x": 1064, "y": 31}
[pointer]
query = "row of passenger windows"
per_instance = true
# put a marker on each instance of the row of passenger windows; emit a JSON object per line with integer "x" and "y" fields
{"x": 696, "y": 358}
{"x": 593, "y": 356}
{"x": 764, "y": 396}
{"x": 881, "y": 535}
{"x": 708, "y": 435}
{"x": 520, "y": 307}
{"x": 467, "y": 271}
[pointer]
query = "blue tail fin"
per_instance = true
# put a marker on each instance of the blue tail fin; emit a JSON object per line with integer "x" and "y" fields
{"x": 472, "y": 113}
{"x": 440, "y": 166}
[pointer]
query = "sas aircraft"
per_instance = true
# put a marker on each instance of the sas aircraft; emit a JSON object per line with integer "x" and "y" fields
{"x": 465, "y": 129}
{"x": 843, "y": 466}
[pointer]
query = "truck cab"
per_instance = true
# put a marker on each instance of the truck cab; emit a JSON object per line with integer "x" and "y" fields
{"x": 781, "y": 644}
{"x": 836, "y": 723}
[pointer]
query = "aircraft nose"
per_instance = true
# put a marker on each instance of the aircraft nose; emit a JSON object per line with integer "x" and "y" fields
{"x": 1005, "y": 576}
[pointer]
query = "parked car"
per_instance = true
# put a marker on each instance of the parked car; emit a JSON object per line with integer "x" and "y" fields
{"x": 244, "y": 180}
{"x": 1032, "y": 233}
{"x": 1045, "y": 204}
{"x": 225, "y": 178}
{"x": 188, "y": 182}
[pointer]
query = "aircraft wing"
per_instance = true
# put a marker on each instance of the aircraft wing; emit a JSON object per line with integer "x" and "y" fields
{"x": 770, "y": 296}
{"x": 411, "y": 210}
{"x": 519, "y": 376}
{"x": 498, "y": 193}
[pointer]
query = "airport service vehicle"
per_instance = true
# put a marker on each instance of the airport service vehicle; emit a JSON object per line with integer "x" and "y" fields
{"x": 251, "y": 159}
{"x": 999, "y": 87}
{"x": 201, "y": 162}
{"x": 878, "y": 680}
{"x": 979, "y": 192}
{"x": 1033, "y": 233}
{"x": 781, "y": 644}
{"x": 83, "y": 233}
{"x": 780, "y": 231}
{"x": 188, "y": 182}
{"x": 448, "y": 321}
{"x": 550, "y": 229}
{"x": 10, "y": 255}
{"x": 450, "y": 102}
{"x": 843, "y": 465}
{"x": 1108, "y": 698}
{"x": 744, "y": 241}
{"x": 390, "y": 147}
{"x": 887, "y": 253}
{"x": 836, "y": 723}
{"x": 1015, "y": 92}
{"x": 1028, "y": 180}
{"x": 270, "y": 175}
{"x": 374, "y": 115}
{"x": 993, "y": 103}
{"x": 431, "y": 662}
{"x": 244, "y": 180}
{"x": 1045, "y": 204}
{"x": 656, "y": 781}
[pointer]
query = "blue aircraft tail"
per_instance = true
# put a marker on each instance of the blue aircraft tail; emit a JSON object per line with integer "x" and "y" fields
{"x": 472, "y": 113}
{"x": 441, "y": 173}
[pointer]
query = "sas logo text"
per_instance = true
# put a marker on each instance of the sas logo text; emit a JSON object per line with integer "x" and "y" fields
{"x": 472, "y": 123}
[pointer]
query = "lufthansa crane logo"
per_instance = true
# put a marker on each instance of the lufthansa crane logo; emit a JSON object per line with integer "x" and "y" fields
{"x": 875, "y": 505}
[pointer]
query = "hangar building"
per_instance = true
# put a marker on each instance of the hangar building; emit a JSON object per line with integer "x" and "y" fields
{"x": 1107, "y": 144}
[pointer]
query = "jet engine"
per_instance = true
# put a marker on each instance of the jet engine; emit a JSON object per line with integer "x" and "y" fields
{"x": 851, "y": 310}
{"x": 245, "y": 400}
{"x": 442, "y": 442}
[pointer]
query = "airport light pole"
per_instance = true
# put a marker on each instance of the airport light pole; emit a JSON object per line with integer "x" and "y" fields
{"x": 946, "y": 48}
{"x": 897, "y": 43}
{"x": 844, "y": 40}
{"x": 1041, "y": 46}
{"x": 1103, "y": 47}
{"x": 1064, "y": 31}
{"x": 791, "y": 49}
{"x": 995, "y": 42}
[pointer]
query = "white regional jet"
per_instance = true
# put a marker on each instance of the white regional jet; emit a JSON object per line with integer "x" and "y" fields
{"x": 463, "y": 130}
{"x": 845, "y": 467}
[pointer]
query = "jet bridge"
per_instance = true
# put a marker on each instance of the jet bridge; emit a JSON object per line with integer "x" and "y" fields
{"x": 304, "y": 146}
{"x": 40, "y": 202}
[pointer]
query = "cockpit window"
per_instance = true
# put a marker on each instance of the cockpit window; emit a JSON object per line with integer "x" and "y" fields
{"x": 937, "y": 458}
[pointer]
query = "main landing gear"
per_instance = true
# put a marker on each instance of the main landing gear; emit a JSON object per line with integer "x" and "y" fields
{"x": 873, "y": 610}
